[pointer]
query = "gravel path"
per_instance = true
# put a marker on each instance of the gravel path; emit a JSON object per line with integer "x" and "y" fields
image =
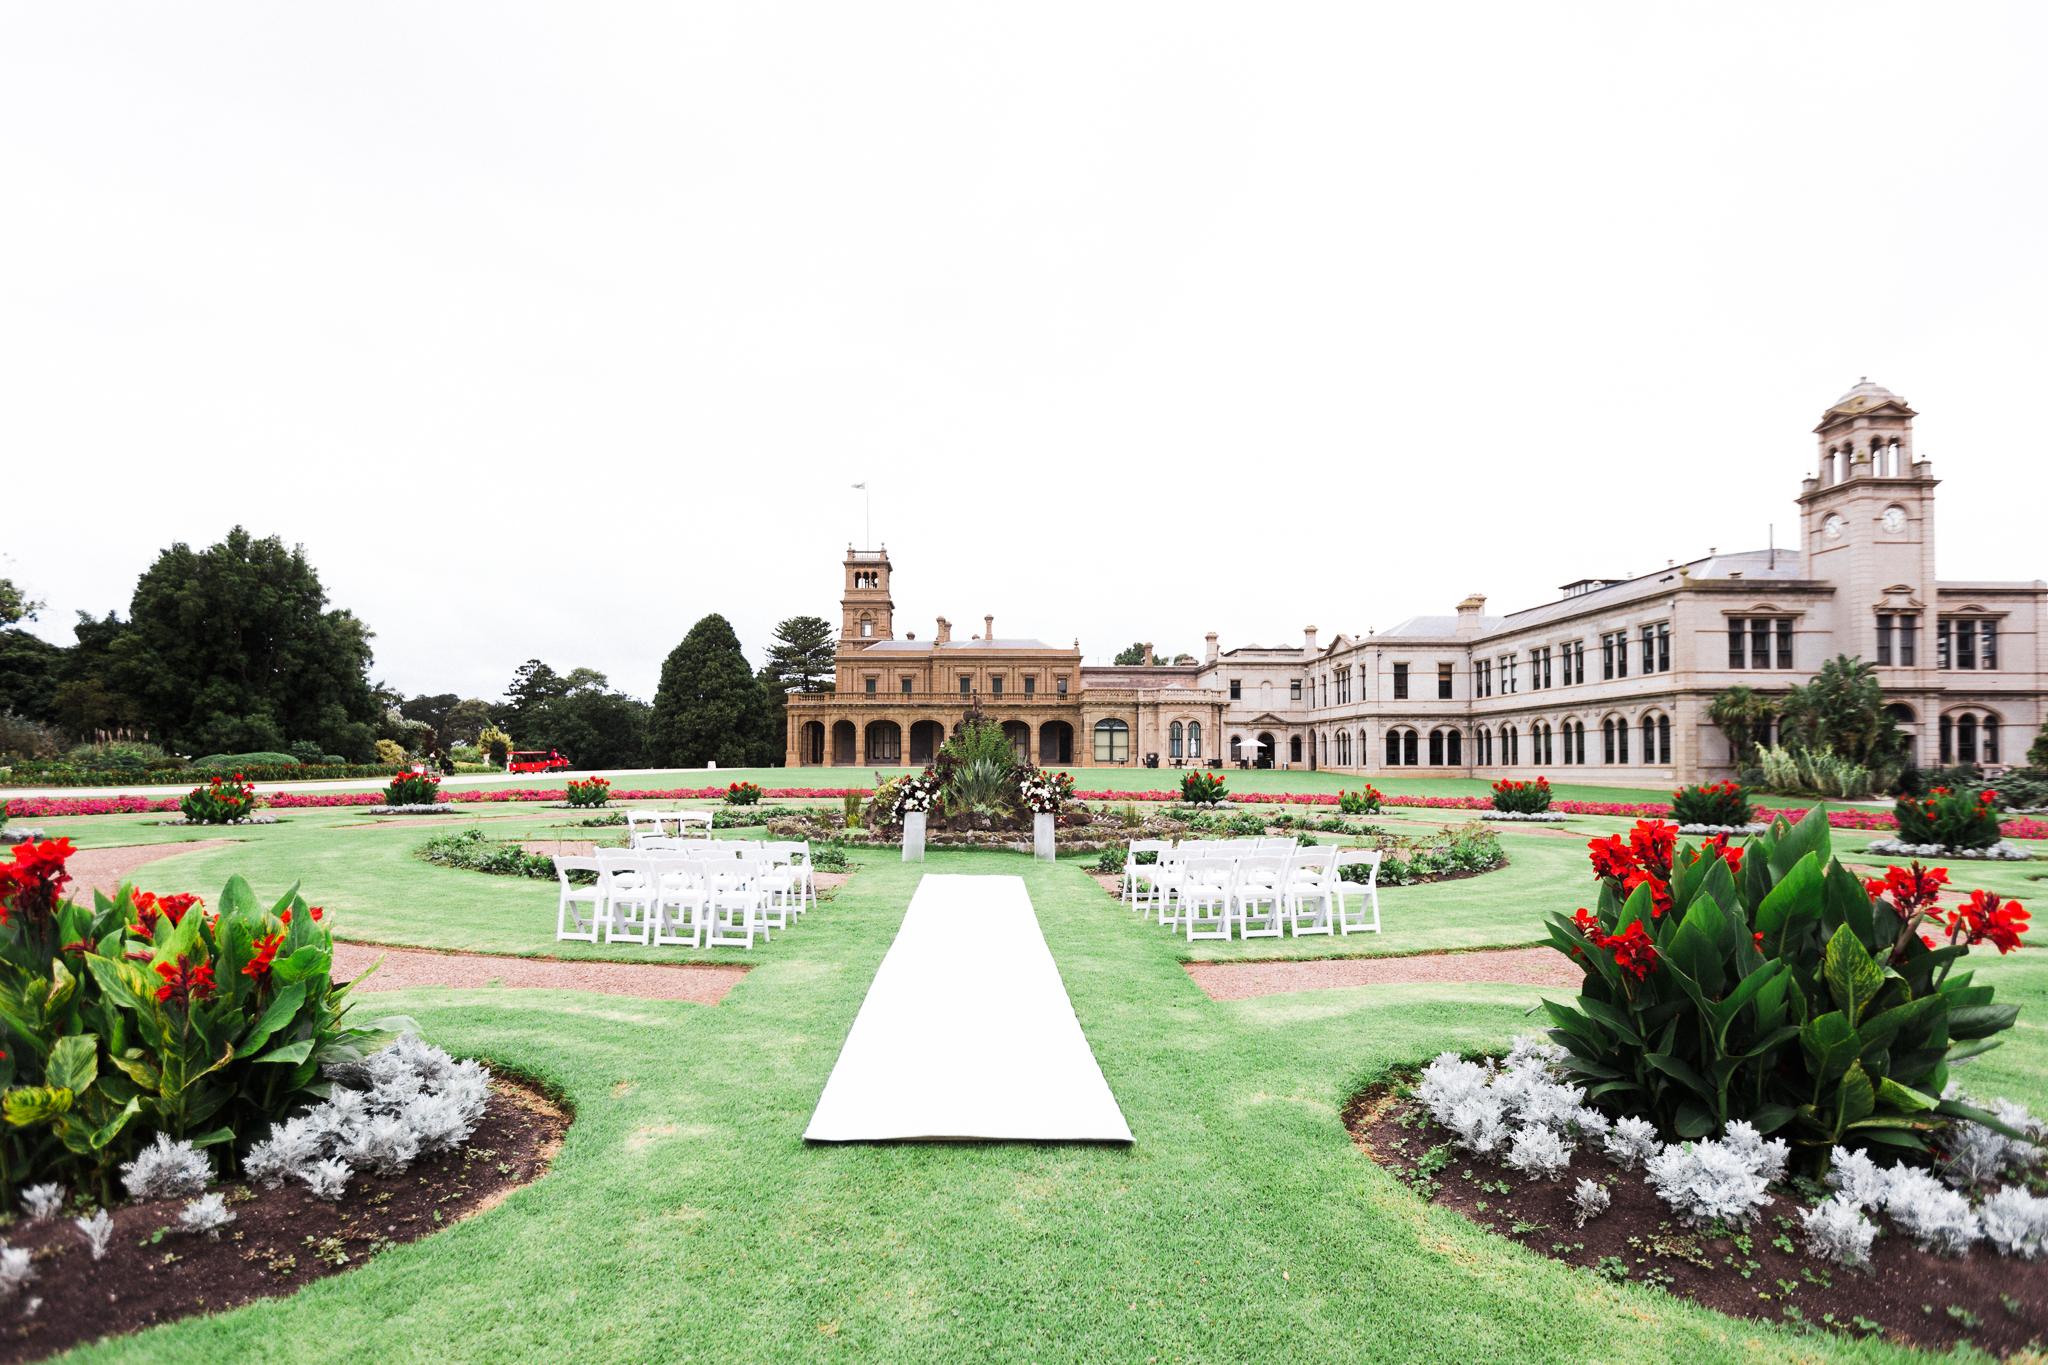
{"x": 1509, "y": 966}
{"x": 104, "y": 869}
{"x": 405, "y": 968}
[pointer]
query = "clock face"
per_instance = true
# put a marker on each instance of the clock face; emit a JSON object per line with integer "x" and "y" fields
{"x": 1894, "y": 519}
{"x": 1833, "y": 528}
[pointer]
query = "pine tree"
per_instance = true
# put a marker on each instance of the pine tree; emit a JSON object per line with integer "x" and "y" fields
{"x": 800, "y": 660}
{"x": 709, "y": 707}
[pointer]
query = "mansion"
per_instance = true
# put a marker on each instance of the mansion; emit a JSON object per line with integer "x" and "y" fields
{"x": 1617, "y": 674}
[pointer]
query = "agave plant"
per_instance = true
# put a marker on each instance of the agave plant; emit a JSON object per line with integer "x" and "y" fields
{"x": 1767, "y": 984}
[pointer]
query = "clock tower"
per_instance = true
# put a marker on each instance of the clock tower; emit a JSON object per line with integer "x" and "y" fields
{"x": 1867, "y": 520}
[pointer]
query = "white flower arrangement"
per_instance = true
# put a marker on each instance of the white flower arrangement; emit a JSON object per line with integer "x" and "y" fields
{"x": 1043, "y": 792}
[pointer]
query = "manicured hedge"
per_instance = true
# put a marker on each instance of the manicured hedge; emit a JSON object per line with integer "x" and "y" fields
{"x": 26, "y": 776}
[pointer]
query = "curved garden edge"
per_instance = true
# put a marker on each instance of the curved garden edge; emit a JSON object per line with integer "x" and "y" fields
{"x": 1533, "y": 965}
{"x": 281, "y": 1240}
{"x": 409, "y": 968}
{"x": 1910, "y": 1297}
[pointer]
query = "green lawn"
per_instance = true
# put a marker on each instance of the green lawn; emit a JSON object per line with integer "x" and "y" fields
{"x": 686, "y": 1219}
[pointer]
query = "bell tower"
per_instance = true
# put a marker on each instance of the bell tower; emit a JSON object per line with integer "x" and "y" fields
{"x": 1867, "y": 517}
{"x": 866, "y": 609}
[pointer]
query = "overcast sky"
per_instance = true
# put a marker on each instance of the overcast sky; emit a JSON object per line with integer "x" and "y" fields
{"x": 549, "y": 330}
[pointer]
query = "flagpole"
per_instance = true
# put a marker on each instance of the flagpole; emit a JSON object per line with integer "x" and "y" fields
{"x": 867, "y": 516}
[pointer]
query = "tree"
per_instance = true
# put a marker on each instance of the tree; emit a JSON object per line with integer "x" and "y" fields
{"x": 467, "y": 719}
{"x": 1743, "y": 716}
{"x": 2037, "y": 754}
{"x": 592, "y": 727}
{"x": 800, "y": 660}
{"x": 29, "y": 668}
{"x": 533, "y": 682}
{"x": 432, "y": 711}
{"x": 232, "y": 649}
{"x": 710, "y": 708}
{"x": 1841, "y": 712}
{"x": 1134, "y": 655}
{"x": 15, "y": 604}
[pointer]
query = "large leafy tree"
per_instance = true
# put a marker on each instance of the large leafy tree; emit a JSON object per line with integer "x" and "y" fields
{"x": 710, "y": 707}
{"x": 29, "y": 668}
{"x": 233, "y": 648}
{"x": 1134, "y": 655}
{"x": 1842, "y": 712}
{"x": 1743, "y": 716}
{"x": 432, "y": 711}
{"x": 800, "y": 660}
{"x": 592, "y": 727}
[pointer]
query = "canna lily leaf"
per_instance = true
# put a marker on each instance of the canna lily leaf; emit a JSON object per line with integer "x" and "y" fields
{"x": 1831, "y": 1046}
{"x": 1844, "y": 901}
{"x": 74, "y": 1062}
{"x": 237, "y": 898}
{"x": 108, "y": 1131}
{"x": 1808, "y": 838}
{"x": 1769, "y": 1118}
{"x": 35, "y": 1104}
{"x": 274, "y": 1018}
{"x": 123, "y": 982}
{"x": 1853, "y": 979}
{"x": 62, "y": 984}
{"x": 138, "y": 1070}
{"x": 1855, "y": 1098}
{"x": 1902, "y": 1097}
{"x": 1981, "y": 1021}
{"x": 1793, "y": 903}
{"x": 1680, "y": 1072}
{"x": 1697, "y": 946}
{"x": 218, "y": 1135}
{"x": 288, "y": 1052}
{"x": 307, "y": 961}
{"x": 1615, "y": 1019}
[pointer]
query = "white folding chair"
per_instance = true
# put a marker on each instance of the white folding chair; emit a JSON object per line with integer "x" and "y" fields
{"x": 1134, "y": 873}
{"x": 687, "y": 818}
{"x": 643, "y": 824}
{"x": 626, "y": 879}
{"x": 1259, "y": 896}
{"x": 573, "y": 896}
{"x": 789, "y": 874}
{"x": 1368, "y": 890}
{"x": 1309, "y": 874}
{"x": 680, "y": 901}
{"x": 1165, "y": 878}
{"x": 1278, "y": 845}
{"x": 1204, "y": 897}
{"x": 735, "y": 910}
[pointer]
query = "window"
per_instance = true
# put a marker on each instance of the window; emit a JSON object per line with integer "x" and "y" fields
{"x": 1393, "y": 749}
{"x": 1884, "y": 638}
{"x": 1614, "y": 655}
{"x": 1759, "y": 643}
{"x": 1577, "y": 654}
{"x": 1735, "y": 651}
{"x": 1607, "y": 738}
{"x": 1511, "y": 742}
{"x": 1343, "y": 686}
{"x": 1482, "y": 678}
{"x": 1443, "y": 682}
{"x": 1436, "y": 748}
{"x": 966, "y": 684}
{"x": 906, "y": 686}
{"x": 1400, "y": 682}
{"x": 1579, "y": 734}
{"x": 1966, "y": 739}
{"x": 1663, "y": 646}
{"x": 1237, "y": 689}
{"x": 1194, "y": 739}
{"x": 1941, "y": 652}
{"x": 1294, "y": 694}
{"x": 1657, "y": 647}
{"x": 1294, "y": 744}
{"x": 1482, "y": 743}
{"x": 1457, "y": 743}
{"x": 1947, "y": 742}
{"x": 1663, "y": 739}
{"x": 1408, "y": 748}
{"x": 1621, "y": 740}
{"x": 1546, "y": 667}
{"x": 870, "y": 687}
{"x": 995, "y": 685}
{"x": 1908, "y": 627}
{"x": 1173, "y": 740}
{"x": 1112, "y": 741}
{"x": 1784, "y": 643}
{"x": 1989, "y": 746}
{"x": 1507, "y": 673}
{"x": 867, "y": 627}
{"x": 1649, "y": 740}
{"x": 1030, "y": 685}
{"x": 1343, "y": 748}
{"x": 1061, "y": 687}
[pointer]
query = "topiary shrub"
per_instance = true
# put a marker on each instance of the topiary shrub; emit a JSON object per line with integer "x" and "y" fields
{"x": 306, "y": 751}
{"x": 1522, "y": 798}
{"x": 255, "y": 760}
{"x": 389, "y": 752}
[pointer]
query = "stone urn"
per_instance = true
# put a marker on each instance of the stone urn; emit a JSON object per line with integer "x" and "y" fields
{"x": 913, "y": 836}
{"x": 1041, "y": 836}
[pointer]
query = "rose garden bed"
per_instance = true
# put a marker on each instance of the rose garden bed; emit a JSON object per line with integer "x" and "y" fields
{"x": 279, "y": 1242}
{"x": 1908, "y": 1296}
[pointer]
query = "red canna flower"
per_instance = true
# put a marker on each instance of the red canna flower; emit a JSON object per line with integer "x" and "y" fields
{"x": 183, "y": 982}
{"x": 30, "y": 884}
{"x": 1653, "y": 843}
{"x": 1634, "y": 953}
{"x": 1611, "y": 857}
{"x": 174, "y": 907}
{"x": 286, "y": 915}
{"x": 147, "y": 912}
{"x": 266, "y": 951}
{"x": 78, "y": 947}
{"x": 1909, "y": 890}
{"x": 1982, "y": 918}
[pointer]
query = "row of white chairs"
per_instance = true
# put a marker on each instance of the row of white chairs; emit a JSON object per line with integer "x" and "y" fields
{"x": 1257, "y": 888}
{"x": 694, "y": 893}
{"x": 656, "y": 824}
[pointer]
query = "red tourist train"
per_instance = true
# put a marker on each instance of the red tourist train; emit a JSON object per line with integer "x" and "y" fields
{"x": 534, "y": 761}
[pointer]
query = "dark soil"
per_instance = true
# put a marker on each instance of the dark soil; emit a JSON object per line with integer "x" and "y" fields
{"x": 281, "y": 1240}
{"x": 1911, "y": 1297}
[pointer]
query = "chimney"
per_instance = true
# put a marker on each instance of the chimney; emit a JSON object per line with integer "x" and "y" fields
{"x": 1211, "y": 638}
{"x": 1308, "y": 642}
{"x": 1469, "y": 613}
{"x": 988, "y": 627}
{"x": 945, "y": 631}
{"x": 1148, "y": 654}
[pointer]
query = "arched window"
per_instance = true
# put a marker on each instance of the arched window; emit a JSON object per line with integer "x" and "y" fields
{"x": 1607, "y": 738}
{"x": 1173, "y": 734}
{"x": 1294, "y": 748}
{"x": 1567, "y": 741}
{"x": 1112, "y": 741}
{"x": 1436, "y": 748}
{"x": 1480, "y": 739}
{"x": 867, "y": 627}
{"x": 1194, "y": 739}
{"x": 1410, "y": 751}
{"x": 1362, "y": 747}
{"x": 1457, "y": 748}
{"x": 1663, "y": 739}
{"x": 1966, "y": 739}
{"x": 1649, "y": 740}
{"x": 1393, "y": 748}
{"x": 1580, "y": 734}
{"x": 1948, "y": 754}
{"x": 1343, "y": 748}
{"x": 1988, "y": 745}
{"x": 1621, "y": 740}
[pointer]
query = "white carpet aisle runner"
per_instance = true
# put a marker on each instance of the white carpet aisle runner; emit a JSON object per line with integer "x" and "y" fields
{"x": 967, "y": 1032}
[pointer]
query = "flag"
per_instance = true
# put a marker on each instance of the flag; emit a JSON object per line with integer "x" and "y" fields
{"x": 860, "y": 485}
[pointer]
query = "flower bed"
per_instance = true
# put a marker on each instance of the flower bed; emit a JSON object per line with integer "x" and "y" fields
{"x": 24, "y": 775}
{"x": 2002, "y": 851}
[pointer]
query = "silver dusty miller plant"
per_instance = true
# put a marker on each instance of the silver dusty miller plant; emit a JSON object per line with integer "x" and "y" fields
{"x": 1515, "y": 1109}
{"x": 393, "y": 1106}
{"x": 166, "y": 1170}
